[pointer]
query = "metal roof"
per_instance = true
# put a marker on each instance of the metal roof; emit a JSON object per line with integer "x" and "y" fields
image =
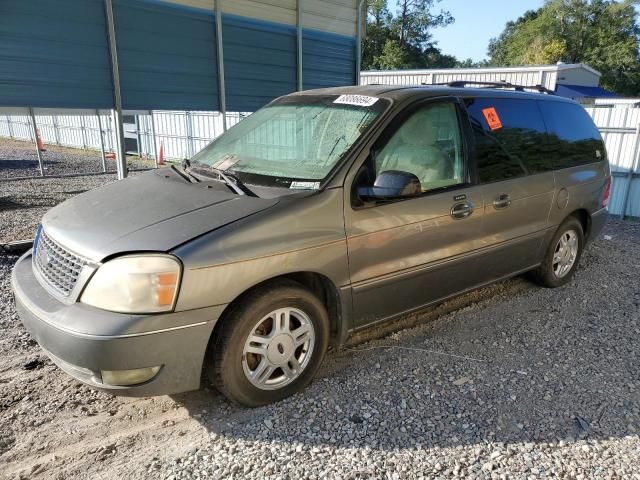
{"x": 476, "y": 70}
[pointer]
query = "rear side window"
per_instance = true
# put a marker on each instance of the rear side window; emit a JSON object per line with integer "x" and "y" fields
{"x": 573, "y": 138}
{"x": 509, "y": 136}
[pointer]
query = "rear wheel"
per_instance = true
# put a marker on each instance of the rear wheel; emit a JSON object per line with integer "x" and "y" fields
{"x": 562, "y": 256}
{"x": 270, "y": 345}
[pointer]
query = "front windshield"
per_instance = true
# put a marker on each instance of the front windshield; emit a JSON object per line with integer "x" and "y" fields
{"x": 294, "y": 142}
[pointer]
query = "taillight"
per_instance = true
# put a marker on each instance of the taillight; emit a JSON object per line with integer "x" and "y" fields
{"x": 606, "y": 193}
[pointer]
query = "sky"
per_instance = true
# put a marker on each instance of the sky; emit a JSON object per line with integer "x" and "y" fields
{"x": 476, "y": 22}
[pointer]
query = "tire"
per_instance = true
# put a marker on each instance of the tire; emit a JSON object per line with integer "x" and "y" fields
{"x": 549, "y": 273}
{"x": 244, "y": 376}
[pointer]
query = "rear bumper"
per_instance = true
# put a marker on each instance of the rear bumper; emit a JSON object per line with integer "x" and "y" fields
{"x": 83, "y": 341}
{"x": 598, "y": 221}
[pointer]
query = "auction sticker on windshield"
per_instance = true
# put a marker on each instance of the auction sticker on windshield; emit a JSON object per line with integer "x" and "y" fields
{"x": 358, "y": 100}
{"x": 305, "y": 185}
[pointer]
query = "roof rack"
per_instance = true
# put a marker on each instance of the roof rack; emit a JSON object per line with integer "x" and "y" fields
{"x": 519, "y": 88}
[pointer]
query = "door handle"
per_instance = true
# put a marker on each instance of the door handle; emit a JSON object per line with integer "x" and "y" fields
{"x": 461, "y": 210}
{"x": 503, "y": 201}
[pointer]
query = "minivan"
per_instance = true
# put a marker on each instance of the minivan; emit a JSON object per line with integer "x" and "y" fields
{"x": 324, "y": 213}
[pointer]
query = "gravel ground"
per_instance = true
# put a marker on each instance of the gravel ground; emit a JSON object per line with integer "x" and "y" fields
{"x": 19, "y": 159}
{"x": 509, "y": 381}
{"x": 23, "y": 202}
{"x": 515, "y": 381}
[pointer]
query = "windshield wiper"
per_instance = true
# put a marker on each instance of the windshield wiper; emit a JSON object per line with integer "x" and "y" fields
{"x": 231, "y": 180}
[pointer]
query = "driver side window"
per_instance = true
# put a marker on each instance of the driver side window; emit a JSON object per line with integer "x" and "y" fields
{"x": 427, "y": 145}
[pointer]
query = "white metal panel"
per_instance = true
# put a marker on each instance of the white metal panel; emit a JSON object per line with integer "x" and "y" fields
{"x": 580, "y": 76}
{"x": 445, "y": 76}
{"x": 279, "y": 11}
{"x": 333, "y": 16}
{"x": 202, "y": 4}
{"x": 545, "y": 75}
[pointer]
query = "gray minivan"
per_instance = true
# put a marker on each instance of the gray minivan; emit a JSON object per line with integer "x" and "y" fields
{"x": 324, "y": 213}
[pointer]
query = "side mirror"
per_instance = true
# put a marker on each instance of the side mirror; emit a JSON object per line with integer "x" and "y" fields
{"x": 392, "y": 184}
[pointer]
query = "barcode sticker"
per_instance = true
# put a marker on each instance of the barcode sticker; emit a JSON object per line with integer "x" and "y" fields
{"x": 358, "y": 100}
{"x": 305, "y": 185}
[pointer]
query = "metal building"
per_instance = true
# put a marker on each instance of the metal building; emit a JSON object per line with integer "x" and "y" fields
{"x": 141, "y": 55}
{"x": 578, "y": 81}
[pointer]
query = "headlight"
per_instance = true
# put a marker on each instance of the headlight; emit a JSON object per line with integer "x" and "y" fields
{"x": 135, "y": 284}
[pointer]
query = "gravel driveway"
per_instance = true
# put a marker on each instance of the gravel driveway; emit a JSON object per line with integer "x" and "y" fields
{"x": 23, "y": 202}
{"x": 508, "y": 381}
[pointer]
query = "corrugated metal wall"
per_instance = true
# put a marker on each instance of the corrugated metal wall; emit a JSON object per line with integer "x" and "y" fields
{"x": 259, "y": 64}
{"x": 620, "y": 129}
{"x": 328, "y": 60}
{"x": 166, "y": 56}
{"x": 55, "y": 53}
{"x": 331, "y": 16}
{"x": 526, "y": 76}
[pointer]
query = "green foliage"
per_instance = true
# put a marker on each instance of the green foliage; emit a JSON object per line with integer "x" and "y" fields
{"x": 403, "y": 39}
{"x": 601, "y": 33}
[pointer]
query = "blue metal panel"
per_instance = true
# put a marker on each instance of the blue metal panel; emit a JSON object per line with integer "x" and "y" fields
{"x": 579, "y": 91}
{"x": 259, "y": 61}
{"x": 54, "y": 54}
{"x": 167, "y": 56}
{"x": 328, "y": 60}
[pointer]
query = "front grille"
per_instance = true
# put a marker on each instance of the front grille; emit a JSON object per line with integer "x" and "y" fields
{"x": 58, "y": 267}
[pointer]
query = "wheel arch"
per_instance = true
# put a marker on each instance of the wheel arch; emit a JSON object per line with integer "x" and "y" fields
{"x": 583, "y": 216}
{"x": 318, "y": 284}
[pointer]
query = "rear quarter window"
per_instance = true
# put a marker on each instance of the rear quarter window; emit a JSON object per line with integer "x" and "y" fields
{"x": 573, "y": 137}
{"x": 509, "y": 137}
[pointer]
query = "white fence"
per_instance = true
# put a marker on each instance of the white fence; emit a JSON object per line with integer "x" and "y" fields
{"x": 620, "y": 129}
{"x": 182, "y": 134}
{"x": 65, "y": 130}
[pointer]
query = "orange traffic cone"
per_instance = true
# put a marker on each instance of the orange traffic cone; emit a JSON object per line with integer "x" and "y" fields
{"x": 39, "y": 140}
{"x": 161, "y": 155}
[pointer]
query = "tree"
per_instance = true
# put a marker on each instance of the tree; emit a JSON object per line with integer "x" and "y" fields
{"x": 601, "y": 33}
{"x": 404, "y": 40}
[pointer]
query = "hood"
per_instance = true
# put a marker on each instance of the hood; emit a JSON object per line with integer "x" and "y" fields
{"x": 154, "y": 211}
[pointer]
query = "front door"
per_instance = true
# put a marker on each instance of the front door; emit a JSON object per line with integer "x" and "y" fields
{"x": 410, "y": 251}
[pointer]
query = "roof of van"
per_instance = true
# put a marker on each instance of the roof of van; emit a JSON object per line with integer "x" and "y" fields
{"x": 402, "y": 92}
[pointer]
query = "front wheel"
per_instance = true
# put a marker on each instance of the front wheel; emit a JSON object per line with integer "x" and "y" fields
{"x": 562, "y": 256}
{"x": 270, "y": 345}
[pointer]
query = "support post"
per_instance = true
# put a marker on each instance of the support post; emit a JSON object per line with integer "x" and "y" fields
{"x": 104, "y": 158}
{"x": 10, "y": 126}
{"x": 83, "y": 132}
{"x": 153, "y": 138}
{"x": 138, "y": 137}
{"x": 299, "y": 44}
{"x": 121, "y": 159}
{"x": 220, "y": 50}
{"x": 34, "y": 129}
{"x": 189, "y": 128}
{"x": 635, "y": 165}
{"x": 359, "y": 41}
{"x": 56, "y": 129}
